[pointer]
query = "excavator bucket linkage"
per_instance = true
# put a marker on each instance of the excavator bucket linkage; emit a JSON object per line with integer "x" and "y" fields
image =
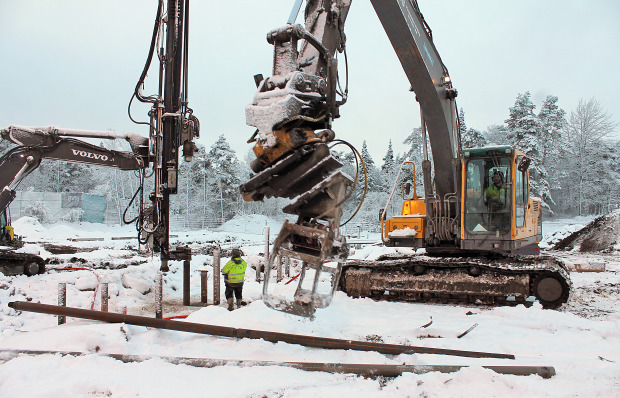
{"x": 310, "y": 175}
{"x": 318, "y": 279}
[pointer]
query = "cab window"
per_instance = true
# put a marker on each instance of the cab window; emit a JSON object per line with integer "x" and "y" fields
{"x": 487, "y": 195}
{"x": 521, "y": 195}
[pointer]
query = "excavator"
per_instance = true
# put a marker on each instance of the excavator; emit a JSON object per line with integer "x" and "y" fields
{"x": 37, "y": 143}
{"x": 477, "y": 222}
{"x": 172, "y": 126}
{"x": 292, "y": 112}
{"x": 11, "y": 261}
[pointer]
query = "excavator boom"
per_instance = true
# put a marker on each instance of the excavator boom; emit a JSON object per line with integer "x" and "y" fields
{"x": 37, "y": 143}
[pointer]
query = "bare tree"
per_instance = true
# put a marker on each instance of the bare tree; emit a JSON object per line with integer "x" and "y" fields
{"x": 588, "y": 125}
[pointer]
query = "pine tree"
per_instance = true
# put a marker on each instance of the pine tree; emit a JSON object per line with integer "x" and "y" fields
{"x": 374, "y": 178}
{"x": 473, "y": 139}
{"x": 553, "y": 153}
{"x": 462, "y": 125}
{"x": 389, "y": 168}
{"x": 523, "y": 125}
{"x": 415, "y": 145}
{"x": 366, "y": 156}
{"x": 388, "y": 160}
{"x": 496, "y": 134}
{"x": 415, "y": 154}
{"x": 552, "y": 122}
{"x": 221, "y": 168}
{"x": 523, "y": 132}
{"x": 470, "y": 138}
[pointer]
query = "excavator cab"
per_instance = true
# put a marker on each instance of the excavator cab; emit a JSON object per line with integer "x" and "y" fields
{"x": 498, "y": 214}
{"x": 487, "y": 195}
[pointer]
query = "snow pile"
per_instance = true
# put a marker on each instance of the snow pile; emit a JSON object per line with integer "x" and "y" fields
{"x": 601, "y": 235}
{"x": 403, "y": 233}
{"x": 253, "y": 223}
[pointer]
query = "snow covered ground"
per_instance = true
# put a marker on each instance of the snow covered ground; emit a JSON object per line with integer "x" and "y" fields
{"x": 582, "y": 340}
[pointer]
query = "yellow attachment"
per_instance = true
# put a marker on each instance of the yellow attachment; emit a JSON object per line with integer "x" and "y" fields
{"x": 285, "y": 141}
{"x": 11, "y": 232}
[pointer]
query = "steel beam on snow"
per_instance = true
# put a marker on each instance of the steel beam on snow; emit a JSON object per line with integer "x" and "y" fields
{"x": 361, "y": 369}
{"x": 224, "y": 331}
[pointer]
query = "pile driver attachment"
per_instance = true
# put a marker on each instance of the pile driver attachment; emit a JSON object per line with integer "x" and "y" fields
{"x": 292, "y": 112}
{"x": 319, "y": 189}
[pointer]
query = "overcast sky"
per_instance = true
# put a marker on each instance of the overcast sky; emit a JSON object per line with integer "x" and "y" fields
{"x": 74, "y": 63}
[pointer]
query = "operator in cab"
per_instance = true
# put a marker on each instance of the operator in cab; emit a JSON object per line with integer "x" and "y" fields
{"x": 234, "y": 275}
{"x": 495, "y": 195}
{"x": 496, "y": 199}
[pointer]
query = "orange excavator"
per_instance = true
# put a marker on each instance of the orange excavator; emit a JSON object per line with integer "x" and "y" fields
{"x": 477, "y": 222}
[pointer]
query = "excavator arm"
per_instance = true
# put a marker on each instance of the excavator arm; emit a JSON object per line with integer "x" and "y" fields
{"x": 37, "y": 143}
{"x": 411, "y": 38}
{"x": 293, "y": 112}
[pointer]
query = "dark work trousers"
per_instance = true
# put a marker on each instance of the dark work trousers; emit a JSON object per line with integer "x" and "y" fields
{"x": 236, "y": 288}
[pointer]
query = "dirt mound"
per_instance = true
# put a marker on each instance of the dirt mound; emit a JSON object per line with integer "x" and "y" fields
{"x": 601, "y": 235}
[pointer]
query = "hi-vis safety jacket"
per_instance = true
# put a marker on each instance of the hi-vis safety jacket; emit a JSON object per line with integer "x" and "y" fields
{"x": 234, "y": 270}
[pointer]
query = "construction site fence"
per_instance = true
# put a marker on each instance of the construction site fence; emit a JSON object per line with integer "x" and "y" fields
{"x": 51, "y": 207}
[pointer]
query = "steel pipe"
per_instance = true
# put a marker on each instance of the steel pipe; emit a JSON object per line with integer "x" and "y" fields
{"x": 361, "y": 369}
{"x": 159, "y": 295}
{"x": 204, "y": 287}
{"x": 224, "y": 331}
{"x": 104, "y": 297}
{"x": 62, "y": 300}
{"x": 186, "y": 282}
{"x": 216, "y": 277}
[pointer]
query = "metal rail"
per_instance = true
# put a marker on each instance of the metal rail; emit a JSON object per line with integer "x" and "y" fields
{"x": 224, "y": 331}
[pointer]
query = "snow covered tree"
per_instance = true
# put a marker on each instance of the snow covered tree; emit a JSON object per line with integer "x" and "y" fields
{"x": 389, "y": 169}
{"x": 552, "y": 152}
{"x": 462, "y": 124}
{"x": 190, "y": 203}
{"x": 470, "y": 138}
{"x": 552, "y": 123}
{"x": 523, "y": 129}
{"x": 38, "y": 210}
{"x": 388, "y": 159}
{"x": 587, "y": 127}
{"x": 523, "y": 125}
{"x": 603, "y": 192}
{"x": 375, "y": 183}
{"x": 473, "y": 139}
{"x": 415, "y": 153}
{"x": 75, "y": 177}
{"x": 496, "y": 134}
{"x": 221, "y": 166}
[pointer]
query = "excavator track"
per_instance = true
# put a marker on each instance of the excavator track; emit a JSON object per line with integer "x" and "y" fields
{"x": 502, "y": 280}
{"x": 12, "y": 263}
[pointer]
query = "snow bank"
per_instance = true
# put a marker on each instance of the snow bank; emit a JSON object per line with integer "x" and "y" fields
{"x": 601, "y": 235}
